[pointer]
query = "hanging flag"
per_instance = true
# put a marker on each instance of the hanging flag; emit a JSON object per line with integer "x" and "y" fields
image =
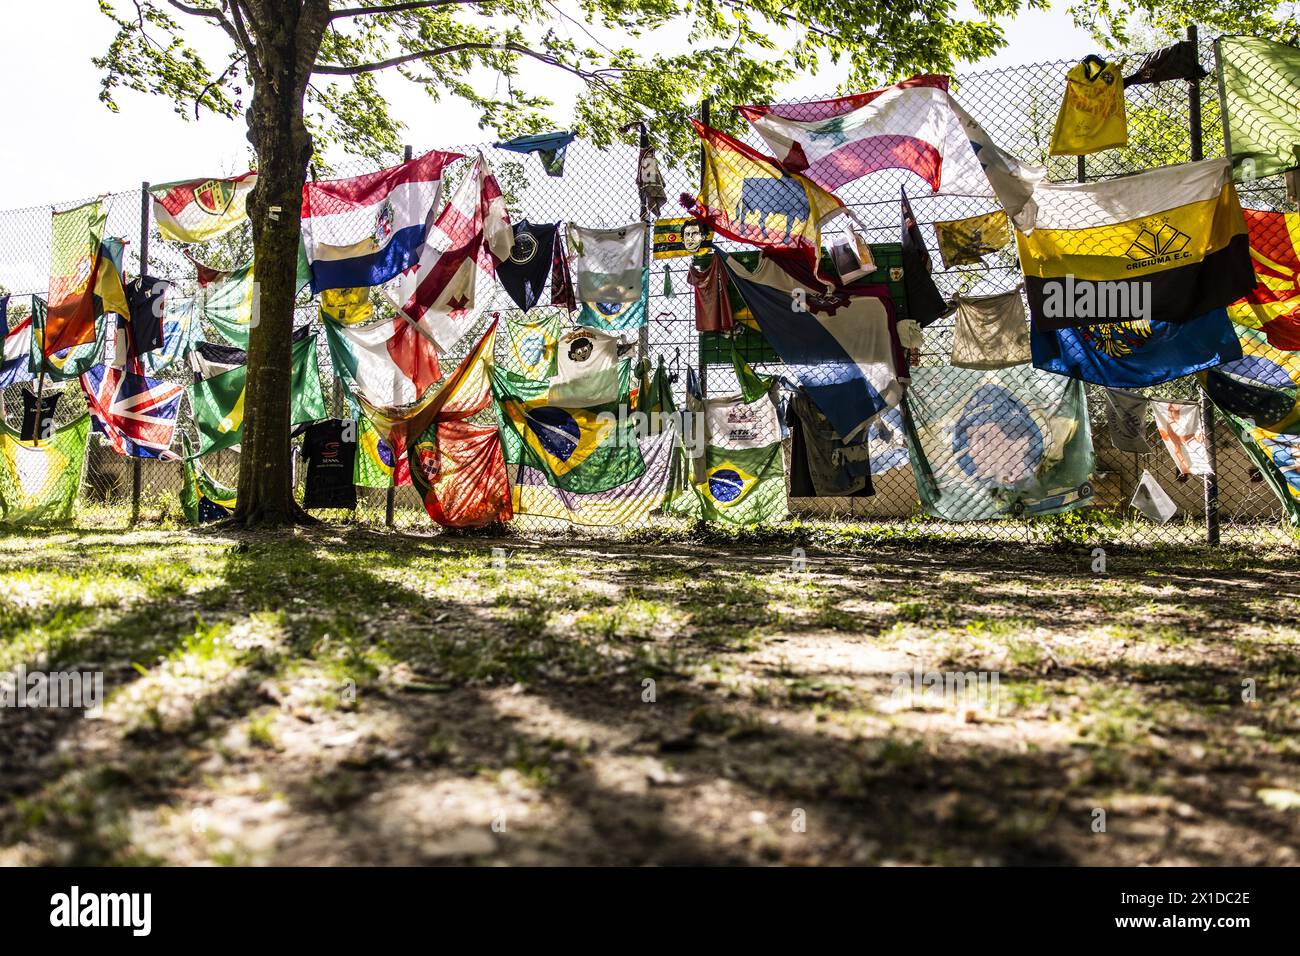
{"x": 924, "y": 302}
{"x": 75, "y": 255}
{"x": 389, "y": 361}
{"x": 455, "y": 464}
{"x": 680, "y": 237}
{"x": 226, "y": 300}
{"x": 1091, "y": 117}
{"x": 965, "y": 241}
{"x": 68, "y": 363}
{"x": 1011, "y": 180}
{"x": 909, "y": 125}
{"x": 1166, "y": 245}
{"x": 375, "y": 461}
{"x": 609, "y": 263}
{"x": 201, "y": 209}
{"x": 655, "y": 394}
{"x": 15, "y": 345}
{"x": 1136, "y": 354}
{"x": 1277, "y": 457}
{"x": 1183, "y": 432}
{"x": 1152, "y": 500}
{"x": 838, "y": 345}
{"x": 618, "y": 316}
{"x": 135, "y": 414}
{"x": 1263, "y": 386}
{"x": 365, "y": 230}
{"x": 748, "y": 197}
{"x": 1274, "y": 304}
{"x": 588, "y": 370}
{"x": 470, "y": 235}
{"x": 562, "y": 294}
{"x": 40, "y": 480}
{"x": 1259, "y": 85}
{"x": 626, "y": 505}
{"x": 998, "y": 443}
{"x": 577, "y": 448}
{"x": 990, "y": 331}
{"x": 523, "y": 273}
{"x": 1128, "y": 421}
{"x": 203, "y": 498}
{"x": 212, "y": 358}
{"x": 179, "y": 330}
{"x": 218, "y": 402}
{"x": 738, "y": 477}
{"x": 530, "y": 345}
{"x": 549, "y": 148}
{"x": 1178, "y": 61}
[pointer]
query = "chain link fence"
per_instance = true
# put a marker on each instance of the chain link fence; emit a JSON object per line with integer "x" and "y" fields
{"x": 1017, "y": 106}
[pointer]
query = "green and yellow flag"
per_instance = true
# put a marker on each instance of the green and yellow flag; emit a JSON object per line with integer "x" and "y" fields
{"x": 218, "y": 402}
{"x": 1259, "y": 85}
{"x": 39, "y": 480}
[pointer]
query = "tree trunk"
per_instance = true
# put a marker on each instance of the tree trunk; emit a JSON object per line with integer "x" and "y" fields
{"x": 286, "y": 36}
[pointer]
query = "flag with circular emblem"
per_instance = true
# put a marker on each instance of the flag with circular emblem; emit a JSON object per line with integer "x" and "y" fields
{"x": 197, "y": 210}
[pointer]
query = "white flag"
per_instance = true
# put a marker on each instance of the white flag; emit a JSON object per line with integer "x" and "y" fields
{"x": 1152, "y": 500}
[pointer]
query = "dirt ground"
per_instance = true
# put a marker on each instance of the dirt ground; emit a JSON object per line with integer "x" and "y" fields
{"x": 349, "y": 697}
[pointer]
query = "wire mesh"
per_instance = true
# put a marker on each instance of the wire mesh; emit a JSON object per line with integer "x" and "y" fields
{"x": 598, "y": 188}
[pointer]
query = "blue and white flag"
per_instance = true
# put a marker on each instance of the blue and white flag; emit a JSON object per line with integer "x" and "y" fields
{"x": 365, "y": 230}
{"x": 837, "y": 344}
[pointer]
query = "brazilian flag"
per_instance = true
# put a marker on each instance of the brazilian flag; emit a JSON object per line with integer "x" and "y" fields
{"x": 741, "y": 486}
{"x": 218, "y": 402}
{"x": 203, "y": 498}
{"x": 580, "y": 449}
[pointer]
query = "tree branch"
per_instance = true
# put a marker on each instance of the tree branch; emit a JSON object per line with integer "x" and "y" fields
{"x": 395, "y": 8}
{"x": 340, "y": 70}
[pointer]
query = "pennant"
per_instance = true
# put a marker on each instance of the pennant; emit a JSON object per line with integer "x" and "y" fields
{"x": 365, "y": 230}
{"x": 201, "y": 209}
{"x": 748, "y": 197}
{"x": 470, "y": 235}
{"x": 1167, "y": 245}
{"x": 134, "y": 413}
{"x": 839, "y": 346}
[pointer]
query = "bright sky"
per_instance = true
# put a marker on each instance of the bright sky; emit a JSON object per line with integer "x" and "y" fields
{"x": 63, "y": 144}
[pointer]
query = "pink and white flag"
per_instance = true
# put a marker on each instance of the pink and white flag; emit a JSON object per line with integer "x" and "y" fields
{"x": 470, "y": 236}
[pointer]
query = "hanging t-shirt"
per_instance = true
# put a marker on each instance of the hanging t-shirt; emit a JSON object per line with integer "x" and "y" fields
{"x": 712, "y": 304}
{"x": 38, "y": 418}
{"x": 1128, "y": 421}
{"x": 990, "y": 331}
{"x": 523, "y": 275}
{"x": 330, "y": 463}
{"x": 821, "y": 465}
{"x": 1183, "y": 432}
{"x": 144, "y": 298}
{"x": 1092, "y": 112}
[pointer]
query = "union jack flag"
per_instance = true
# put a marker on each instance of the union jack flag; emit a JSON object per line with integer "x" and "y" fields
{"x": 136, "y": 414}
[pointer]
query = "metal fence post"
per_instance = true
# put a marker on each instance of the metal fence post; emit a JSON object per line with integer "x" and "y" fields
{"x": 699, "y": 342}
{"x": 136, "y": 464}
{"x": 1207, "y": 407}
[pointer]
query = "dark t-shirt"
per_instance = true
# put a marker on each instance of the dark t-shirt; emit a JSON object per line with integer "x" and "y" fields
{"x": 523, "y": 274}
{"x": 38, "y": 422}
{"x": 330, "y": 460}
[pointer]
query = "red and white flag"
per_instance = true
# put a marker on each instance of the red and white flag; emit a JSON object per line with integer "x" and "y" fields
{"x": 201, "y": 209}
{"x": 470, "y": 236}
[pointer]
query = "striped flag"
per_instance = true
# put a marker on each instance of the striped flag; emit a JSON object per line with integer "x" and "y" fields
{"x": 471, "y": 235}
{"x": 136, "y": 414}
{"x": 16, "y": 347}
{"x": 365, "y": 230}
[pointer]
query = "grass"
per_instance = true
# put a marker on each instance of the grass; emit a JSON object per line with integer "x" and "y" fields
{"x": 342, "y": 694}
